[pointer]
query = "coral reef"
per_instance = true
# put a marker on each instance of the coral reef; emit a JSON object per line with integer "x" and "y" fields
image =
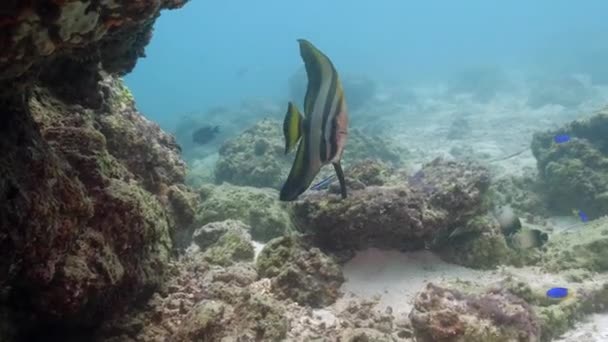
{"x": 88, "y": 186}
{"x": 441, "y": 197}
{"x": 583, "y": 247}
{"x": 225, "y": 242}
{"x": 442, "y": 314}
{"x": 574, "y": 172}
{"x": 300, "y": 272}
{"x": 36, "y": 35}
{"x": 258, "y": 208}
{"x": 111, "y": 217}
{"x": 522, "y": 193}
{"x": 215, "y": 303}
{"x": 256, "y": 157}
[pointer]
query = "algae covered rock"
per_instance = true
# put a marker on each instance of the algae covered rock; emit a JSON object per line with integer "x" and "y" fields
{"x": 205, "y": 322}
{"x": 300, "y": 272}
{"x": 94, "y": 223}
{"x": 447, "y": 314}
{"x": 225, "y": 242}
{"x": 258, "y": 208}
{"x": 252, "y": 317}
{"x": 480, "y": 245}
{"x": 582, "y": 247}
{"x": 574, "y": 172}
{"x": 256, "y": 157}
{"x": 438, "y": 199}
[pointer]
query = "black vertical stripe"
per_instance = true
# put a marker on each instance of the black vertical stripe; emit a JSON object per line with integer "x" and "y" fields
{"x": 331, "y": 95}
{"x": 334, "y": 130}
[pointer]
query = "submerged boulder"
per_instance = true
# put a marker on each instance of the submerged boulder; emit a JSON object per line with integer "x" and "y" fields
{"x": 224, "y": 243}
{"x": 442, "y": 197}
{"x": 260, "y": 209}
{"x": 88, "y": 201}
{"x": 583, "y": 247}
{"x": 442, "y": 314}
{"x": 300, "y": 272}
{"x": 574, "y": 173}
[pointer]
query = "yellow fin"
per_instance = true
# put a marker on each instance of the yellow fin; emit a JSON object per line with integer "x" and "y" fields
{"x": 292, "y": 127}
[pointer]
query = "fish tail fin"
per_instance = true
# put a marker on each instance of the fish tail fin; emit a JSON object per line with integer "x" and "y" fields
{"x": 216, "y": 129}
{"x": 340, "y": 175}
{"x": 292, "y": 127}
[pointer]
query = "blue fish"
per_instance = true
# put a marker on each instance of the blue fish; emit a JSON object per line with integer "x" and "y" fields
{"x": 561, "y": 138}
{"x": 557, "y": 292}
{"x": 324, "y": 183}
{"x": 583, "y": 216}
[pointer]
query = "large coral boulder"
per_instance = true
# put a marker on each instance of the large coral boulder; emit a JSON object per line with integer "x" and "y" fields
{"x": 260, "y": 209}
{"x": 442, "y": 314}
{"x": 574, "y": 173}
{"x": 89, "y": 200}
{"x": 300, "y": 272}
{"x": 225, "y": 242}
{"x": 441, "y": 197}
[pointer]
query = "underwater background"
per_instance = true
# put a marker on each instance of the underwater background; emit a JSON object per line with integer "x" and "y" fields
{"x": 156, "y": 186}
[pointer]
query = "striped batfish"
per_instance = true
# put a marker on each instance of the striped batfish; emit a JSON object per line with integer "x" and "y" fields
{"x": 322, "y": 131}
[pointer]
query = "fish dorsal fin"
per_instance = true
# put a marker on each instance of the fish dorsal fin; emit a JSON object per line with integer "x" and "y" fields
{"x": 292, "y": 127}
{"x": 318, "y": 68}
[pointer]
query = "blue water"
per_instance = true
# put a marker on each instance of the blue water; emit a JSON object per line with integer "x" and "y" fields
{"x": 216, "y": 53}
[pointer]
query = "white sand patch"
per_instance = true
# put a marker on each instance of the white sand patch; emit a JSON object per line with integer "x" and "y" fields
{"x": 257, "y": 247}
{"x": 593, "y": 329}
{"x": 397, "y": 277}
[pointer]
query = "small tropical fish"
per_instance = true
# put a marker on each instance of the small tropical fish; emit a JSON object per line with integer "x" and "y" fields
{"x": 561, "y": 138}
{"x": 205, "y": 134}
{"x": 322, "y": 131}
{"x": 583, "y": 216}
{"x": 557, "y": 292}
{"x": 324, "y": 183}
{"x": 527, "y": 238}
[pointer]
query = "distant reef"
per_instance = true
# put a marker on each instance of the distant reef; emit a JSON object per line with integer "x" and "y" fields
{"x": 91, "y": 192}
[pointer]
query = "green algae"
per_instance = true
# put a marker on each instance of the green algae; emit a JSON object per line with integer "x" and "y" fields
{"x": 584, "y": 247}
{"x": 574, "y": 173}
{"x": 231, "y": 247}
{"x": 258, "y": 208}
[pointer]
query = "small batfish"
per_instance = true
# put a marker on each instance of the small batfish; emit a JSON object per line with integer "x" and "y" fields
{"x": 321, "y": 132}
{"x": 583, "y": 216}
{"x": 561, "y": 138}
{"x": 324, "y": 183}
{"x": 205, "y": 134}
{"x": 557, "y": 292}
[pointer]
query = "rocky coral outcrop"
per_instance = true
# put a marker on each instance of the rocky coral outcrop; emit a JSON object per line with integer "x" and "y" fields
{"x": 582, "y": 247}
{"x": 258, "y": 208}
{"x": 256, "y": 157}
{"x": 442, "y": 314}
{"x": 203, "y": 302}
{"x": 441, "y": 197}
{"x": 86, "y": 211}
{"x": 36, "y": 35}
{"x": 574, "y": 172}
{"x": 300, "y": 272}
{"x": 225, "y": 242}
